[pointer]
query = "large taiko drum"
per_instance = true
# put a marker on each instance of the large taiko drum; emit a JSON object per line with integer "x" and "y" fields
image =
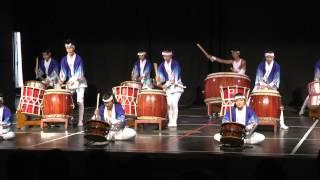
{"x": 57, "y": 103}
{"x": 232, "y": 134}
{"x": 134, "y": 84}
{"x": 152, "y": 104}
{"x": 212, "y": 85}
{"x": 31, "y": 98}
{"x": 96, "y": 130}
{"x": 314, "y": 95}
{"x": 266, "y": 103}
{"x": 127, "y": 97}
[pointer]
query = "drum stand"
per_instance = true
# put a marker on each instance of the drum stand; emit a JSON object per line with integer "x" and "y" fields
{"x": 22, "y": 121}
{"x": 54, "y": 120}
{"x": 314, "y": 113}
{"x": 151, "y": 120}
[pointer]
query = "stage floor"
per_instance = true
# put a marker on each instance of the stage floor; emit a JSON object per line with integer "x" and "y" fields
{"x": 194, "y": 134}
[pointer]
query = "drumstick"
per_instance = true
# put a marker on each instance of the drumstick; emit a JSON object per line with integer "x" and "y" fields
{"x": 204, "y": 51}
{"x": 98, "y": 98}
{"x": 97, "y": 105}
{"x": 37, "y": 63}
{"x": 155, "y": 65}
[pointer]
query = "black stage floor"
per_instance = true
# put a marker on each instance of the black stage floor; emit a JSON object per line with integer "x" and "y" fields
{"x": 189, "y": 146}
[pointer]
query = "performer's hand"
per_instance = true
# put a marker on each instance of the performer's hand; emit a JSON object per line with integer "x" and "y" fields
{"x": 96, "y": 112}
{"x": 213, "y": 58}
{"x": 60, "y": 82}
{"x": 231, "y": 68}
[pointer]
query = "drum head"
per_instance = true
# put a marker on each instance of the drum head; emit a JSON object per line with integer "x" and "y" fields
{"x": 95, "y": 137}
{"x": 232, "y": 141}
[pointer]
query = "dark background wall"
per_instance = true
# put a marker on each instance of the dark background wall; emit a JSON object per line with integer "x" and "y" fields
{"x": 108, "y": 34}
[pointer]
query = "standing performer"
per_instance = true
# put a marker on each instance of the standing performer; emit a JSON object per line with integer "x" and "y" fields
{"x": 169, "y": 78}
{"x": 112, "y": 112}
{"x": 245, "y": 115}
{"x": 49, "y": 70}
{"x": 142, "y": 70}
{"x": 72, "y": 71}
{"x": 268, "y": 77}
{"x": 268, "y": 73}
{"x": 316, "y": 78}
{"x": 238, "y": 64}
{"x": 5, "y": 121}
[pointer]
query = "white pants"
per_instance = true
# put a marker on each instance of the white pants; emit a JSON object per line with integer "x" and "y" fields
{"x": 6, "y": 134}
{"x": 80, "y": 101}
{"x": 122, "y": 134}
{"x": 255, "y": 138}
{"x": 172, "y": 101}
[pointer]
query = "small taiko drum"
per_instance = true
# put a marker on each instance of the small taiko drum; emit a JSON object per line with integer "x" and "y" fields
{"x": 232, "y": 134}
{"x": 314, "y": 95}
{"x": 214, "y": 81}
{"x": 266, "y": 103}
{"x": 31, "y": 98}
{"x": 152, "y": 104}
{"x": 96, "y": 130}
{"x": 127, "y": 97}
{"x": 134, "y": 84}
{"x": 57, "y": 103}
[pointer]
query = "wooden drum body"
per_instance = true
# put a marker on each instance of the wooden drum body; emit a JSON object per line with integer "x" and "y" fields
{"x": 127, "y": 97}
{"x": 31, "y": 98}
{"x": 152, "y": 104}
{"x": 57, "y": 103}
{"x": 266, "y": 104}
{"x": 96, "y": 130}
{"x": 212, "y": 85}
{"x": 314, "y": 95}
{"x": 232, "y": 134}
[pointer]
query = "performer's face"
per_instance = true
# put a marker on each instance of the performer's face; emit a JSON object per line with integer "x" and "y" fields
{"x": 1, "y": 102}
{"x": 46, "y": 56}
{"x": 235, "y": 55}
{"x": 70, "y": 50}
{"x": 240, "y": 103}
{"x": 167, "y": 58}
{"x": 141, "y": 57}
{"x": 269, "y": 59}
{"x": 109, "y": 104}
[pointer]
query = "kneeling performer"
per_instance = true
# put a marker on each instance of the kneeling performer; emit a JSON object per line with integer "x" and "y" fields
{"x": 244, "y": 115}
{"x": 112, "y": 113}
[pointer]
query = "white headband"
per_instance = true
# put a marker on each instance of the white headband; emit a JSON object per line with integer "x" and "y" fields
{"x": 69, "y": 45}
{"x": 269, "y": 54}
{"x": 165, "y": 53}
{"x": 232, "y": 51}
{"x": 107, "y": 100}
{"x": 141, "y": 53}
{"x": 239, "y": 97}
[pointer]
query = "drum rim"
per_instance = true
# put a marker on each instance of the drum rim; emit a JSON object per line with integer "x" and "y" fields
{"x": 233, "y": 123}
{"x": 37, "y": 84}
{"x": 57, "y": 91}
{"x": 95, "y": 120}
{"x": 115, "y": 87}
{"x": 156, "y": 91}
{"x": 227, "y": 74}
{"x": 150, "y": 118}
{"x": 56, "y": 116}
{"x": 213, "y": 100}
{"x": 255, "y": 93}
